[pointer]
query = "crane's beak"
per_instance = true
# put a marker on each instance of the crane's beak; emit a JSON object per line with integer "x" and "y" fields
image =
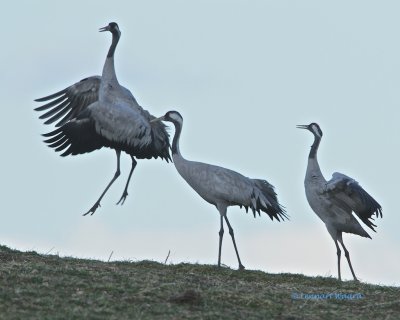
{"x": 302, "y": 126}
{"x": 157, "y": 119}
{"x": 106, "y": 28}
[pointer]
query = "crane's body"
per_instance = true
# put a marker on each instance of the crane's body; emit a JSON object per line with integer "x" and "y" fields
{"x": 98, "y": 112}
{"x": 323, "y": 203}
{"x": 223, "y": 187}
{"x": 220, "y": 186}
{"x": 334, "y": 201}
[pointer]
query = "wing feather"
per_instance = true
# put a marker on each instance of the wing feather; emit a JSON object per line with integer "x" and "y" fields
{"x": 348, "y": 194}
{"x": 69, "y": 102}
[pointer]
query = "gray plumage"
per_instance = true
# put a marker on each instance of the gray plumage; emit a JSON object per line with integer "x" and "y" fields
{"x": 335, "y": 200}
{"x": 223, "y": 187}
{"x": 98, "y": 112}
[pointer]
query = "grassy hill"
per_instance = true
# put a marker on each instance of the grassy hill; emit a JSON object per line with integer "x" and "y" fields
{"x": 38, "y": 286}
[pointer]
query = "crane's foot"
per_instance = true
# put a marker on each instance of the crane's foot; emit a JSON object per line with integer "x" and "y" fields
{"x": 93, "y": 209}
{"x": 123, "y": 198}
{"x": 241, "y": 267}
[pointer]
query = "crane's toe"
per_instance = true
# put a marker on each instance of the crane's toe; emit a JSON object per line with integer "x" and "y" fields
{"x": 93, "y": 209}
{"x": 123, "y": 198}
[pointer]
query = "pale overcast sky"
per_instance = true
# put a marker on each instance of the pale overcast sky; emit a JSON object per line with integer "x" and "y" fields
{"x": 243, "y": 74}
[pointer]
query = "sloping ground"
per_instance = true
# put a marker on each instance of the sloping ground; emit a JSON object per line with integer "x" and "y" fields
{"x": 49, "y": 287}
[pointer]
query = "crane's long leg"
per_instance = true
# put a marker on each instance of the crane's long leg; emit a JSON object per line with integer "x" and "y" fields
{"x": 335, "y": 236}
{"x": 347, "y": 255}
{"x": 116, "y": 175}
{"x": 241, "y": 267}
{"x": 221, "y": 235}
{"x": 125, "y": 193}
{"x": 338, "y": 252}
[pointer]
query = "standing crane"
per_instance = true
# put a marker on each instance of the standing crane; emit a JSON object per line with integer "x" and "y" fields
{"x": 98, "y": 112}
{"x": 223, "y": 187}
{"x": 335, "y": 200}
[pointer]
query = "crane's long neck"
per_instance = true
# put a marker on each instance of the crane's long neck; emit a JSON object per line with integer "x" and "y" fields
{"x": 109, "y": 75}
{"x": 313, "y": 169}
{"x": 175, "y": 142}
{"x": 314, "y": 147}
{"x": 182, "y": 165}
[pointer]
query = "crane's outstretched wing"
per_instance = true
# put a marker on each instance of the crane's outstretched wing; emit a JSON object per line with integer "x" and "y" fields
{"x": 75, "y": 137}
{"x": 119, "y": 127}
{"x": 346, "y": 191}
{"x": 68, "y": 103}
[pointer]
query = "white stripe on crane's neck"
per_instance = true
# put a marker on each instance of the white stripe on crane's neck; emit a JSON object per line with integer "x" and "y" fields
{"x": 176, "y": 117}
{"x": 177, "y": 120}
{"x": 316, "y": 130}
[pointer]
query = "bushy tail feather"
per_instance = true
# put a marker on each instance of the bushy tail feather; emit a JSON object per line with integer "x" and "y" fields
{"x": 264, "y": 198}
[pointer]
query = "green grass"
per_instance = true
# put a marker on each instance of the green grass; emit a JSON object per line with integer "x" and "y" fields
{"x": 34, "y": 286}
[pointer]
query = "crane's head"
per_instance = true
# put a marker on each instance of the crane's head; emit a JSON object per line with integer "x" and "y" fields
{"x": 171, "y": 116}
{"x": 312, "y": 127}
{"x": 112, "y": 27}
